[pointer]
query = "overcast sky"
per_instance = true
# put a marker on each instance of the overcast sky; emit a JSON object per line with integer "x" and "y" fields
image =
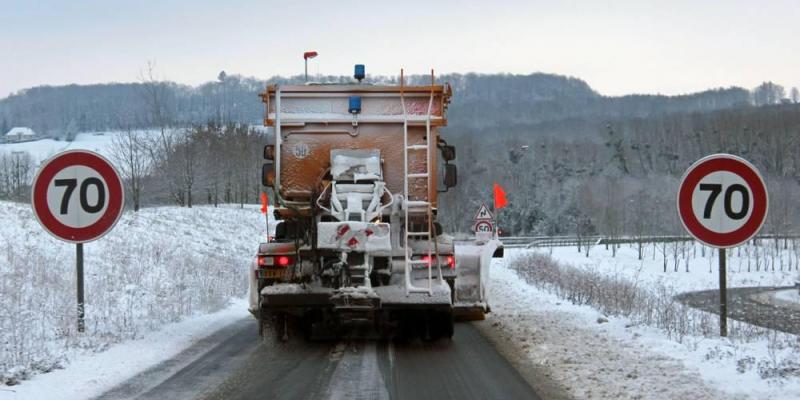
{"x": 618, "y": 47}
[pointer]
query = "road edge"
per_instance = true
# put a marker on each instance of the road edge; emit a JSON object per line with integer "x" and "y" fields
{"x": 536, "y": 375}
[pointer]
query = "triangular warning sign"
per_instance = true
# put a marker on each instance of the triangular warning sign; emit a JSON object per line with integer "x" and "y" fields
{"x": 484, "y": 214}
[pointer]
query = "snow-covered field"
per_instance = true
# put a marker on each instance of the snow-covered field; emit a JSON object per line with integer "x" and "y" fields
{"x": 596, "y": 355}
{"x": 688, "y": 269}
{"x": 157, "y": 267}
{"x": 40, "y": 150}
{"x": 99, "y": 142}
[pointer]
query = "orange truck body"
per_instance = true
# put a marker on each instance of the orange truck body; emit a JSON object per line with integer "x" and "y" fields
{"x": 314, "y": 119}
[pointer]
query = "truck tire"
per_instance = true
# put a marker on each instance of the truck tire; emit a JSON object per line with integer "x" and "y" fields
{"x": 264, "y": 326}
{"x": 442, "y": 325}
{"x": 275, "y": 325}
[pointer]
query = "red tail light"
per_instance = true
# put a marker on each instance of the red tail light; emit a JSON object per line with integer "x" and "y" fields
{"x": 275, "y": 261}
{"x": 451, "y": 260}
{"x": 283, "y": 261}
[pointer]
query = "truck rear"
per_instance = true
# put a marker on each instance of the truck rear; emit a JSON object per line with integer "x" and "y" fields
{"x": 354, "y": 174}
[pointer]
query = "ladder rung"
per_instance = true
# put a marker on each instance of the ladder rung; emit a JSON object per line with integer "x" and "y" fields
{"x": 418, "y": 147}
{"x": 423, "y": 175}
{"x": 426, "y": 233}
{"x": 417, "y": 203}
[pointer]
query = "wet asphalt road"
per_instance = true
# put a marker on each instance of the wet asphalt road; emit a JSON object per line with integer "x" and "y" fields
{"x": 235, "y": 363}
{"x": 748, "y": 304}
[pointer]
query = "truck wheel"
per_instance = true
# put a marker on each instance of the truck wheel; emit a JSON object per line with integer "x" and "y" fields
{"x": 281, "y": 326}
{"x": 263, "y": 324}
{"x": 448, "y": 325}
{"x": 441, "y": 325}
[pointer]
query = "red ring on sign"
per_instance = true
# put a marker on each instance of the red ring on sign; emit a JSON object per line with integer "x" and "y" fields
{"x": 115, "y": 196}
{"x": 734, "y": 165}
{"x": 480, "y": 223}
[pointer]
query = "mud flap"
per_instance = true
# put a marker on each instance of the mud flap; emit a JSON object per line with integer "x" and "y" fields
{"x": 471, "y": 300}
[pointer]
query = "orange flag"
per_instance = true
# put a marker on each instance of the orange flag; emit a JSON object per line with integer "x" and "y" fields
{"x": 264, "y": 202}
{"x": 500, "y": 200}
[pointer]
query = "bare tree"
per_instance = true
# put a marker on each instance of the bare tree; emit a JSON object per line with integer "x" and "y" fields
{"x": 185, "y": 150}
{"x": 22, "y": 171}
{"x": 155, "y": 93}
{"x": 794, "y": 95}
{"x": 130, "y": 152}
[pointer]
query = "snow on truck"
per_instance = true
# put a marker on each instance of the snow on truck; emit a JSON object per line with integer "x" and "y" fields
{"x": 356, "y": 246}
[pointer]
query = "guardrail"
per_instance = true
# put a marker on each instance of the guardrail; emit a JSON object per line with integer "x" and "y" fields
{"x": 563, "y": 241}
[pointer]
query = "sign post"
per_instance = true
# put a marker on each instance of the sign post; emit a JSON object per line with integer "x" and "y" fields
{"x": 722, "y": 202}
{"x": 77, "y": 196}
{"x": 79, "y": 272}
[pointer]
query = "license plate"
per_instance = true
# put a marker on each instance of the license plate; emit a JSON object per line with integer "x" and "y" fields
{"x": 272, "y": 273}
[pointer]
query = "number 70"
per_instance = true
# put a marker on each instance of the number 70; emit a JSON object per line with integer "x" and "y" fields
{"x": 716, "y": 189}
{"x": 71, "y": 184}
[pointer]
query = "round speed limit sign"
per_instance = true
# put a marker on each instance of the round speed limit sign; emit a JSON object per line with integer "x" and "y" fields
{"x": 722, "y": 200}
{"x": 77, "y": 196}
{"x": 483, "y": 226}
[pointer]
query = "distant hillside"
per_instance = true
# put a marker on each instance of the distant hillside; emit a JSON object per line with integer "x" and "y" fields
{"x": 480, "y": 100}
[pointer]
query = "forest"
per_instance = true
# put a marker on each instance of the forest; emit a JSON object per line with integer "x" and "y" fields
{"x": 572, "y": 160}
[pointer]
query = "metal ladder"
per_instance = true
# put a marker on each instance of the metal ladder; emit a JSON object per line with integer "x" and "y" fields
{"x": 432, "y": 247}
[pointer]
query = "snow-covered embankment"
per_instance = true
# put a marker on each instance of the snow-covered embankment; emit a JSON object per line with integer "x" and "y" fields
{"x": 157, "y": 267}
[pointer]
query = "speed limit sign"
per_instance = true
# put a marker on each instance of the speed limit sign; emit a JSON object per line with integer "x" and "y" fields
{"x": 77, "y": 196}
{"x": 722, "y": 200}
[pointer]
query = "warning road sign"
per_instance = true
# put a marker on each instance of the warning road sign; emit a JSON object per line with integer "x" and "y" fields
{"x": 484, "y": 214}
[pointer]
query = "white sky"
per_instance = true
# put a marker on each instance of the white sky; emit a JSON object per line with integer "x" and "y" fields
{"x": 617, "y": 46}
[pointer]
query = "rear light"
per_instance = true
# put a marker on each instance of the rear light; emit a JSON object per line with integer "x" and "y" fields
{"x": 284, "y": 261}
{"x": 451, "y": 260}
{"x": 275, "y": 261}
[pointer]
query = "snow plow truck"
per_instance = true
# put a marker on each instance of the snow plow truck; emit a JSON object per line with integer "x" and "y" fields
{"x": 353, "y": 170}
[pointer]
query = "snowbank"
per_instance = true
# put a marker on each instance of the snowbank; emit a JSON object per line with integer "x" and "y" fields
{"x": 594, "y": 355}
{"x": 156, "y": 267}
{"x": 92, "y": 374}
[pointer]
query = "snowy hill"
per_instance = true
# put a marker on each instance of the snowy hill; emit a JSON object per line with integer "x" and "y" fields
{"x": 40, "y": 150}
{"x": 156, "y": 267}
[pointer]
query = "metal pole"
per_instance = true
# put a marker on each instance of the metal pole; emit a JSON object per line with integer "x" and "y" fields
{"x": 723, "y": 295}
{"x": 79, "y": 269}
{"x": 306, "y": 60}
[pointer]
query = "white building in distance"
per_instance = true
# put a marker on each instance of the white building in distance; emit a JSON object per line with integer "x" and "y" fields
{"x": 20, "y": 134}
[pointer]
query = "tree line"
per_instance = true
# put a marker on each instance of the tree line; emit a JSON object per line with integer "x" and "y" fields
{"x": 575, "y": 162}
{"x": 480, "y": 100}
{"x": 621, "y": 178}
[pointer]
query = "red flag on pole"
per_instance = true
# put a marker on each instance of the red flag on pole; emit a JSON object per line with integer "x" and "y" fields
{"x": 264, "y": 203}
{"x": 500, "y": 200}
